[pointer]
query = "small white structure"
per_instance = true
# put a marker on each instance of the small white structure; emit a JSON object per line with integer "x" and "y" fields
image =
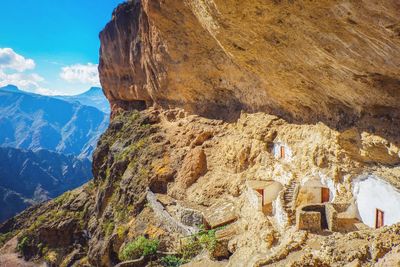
{"x": 282, "y": 151}
{"x": 262, "y": 194}
{"x": 313, "y": 191}
{"x": 378, "y": 202}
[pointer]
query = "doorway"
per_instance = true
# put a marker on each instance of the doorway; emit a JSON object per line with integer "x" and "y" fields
{"x": 379, "y": 218}
{"x": 261, "y": 192}
{"x": 282, "y": 152}
{"x": 325, "y": 195}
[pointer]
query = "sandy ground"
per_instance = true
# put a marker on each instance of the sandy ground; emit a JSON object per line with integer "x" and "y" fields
{"x": 8, "y": 257}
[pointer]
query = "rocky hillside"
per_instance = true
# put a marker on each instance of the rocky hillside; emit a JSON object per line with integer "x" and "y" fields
{"x": 28, "y": 178}
{"x": 157, "y": 172}
{"x": 221, "y": 87}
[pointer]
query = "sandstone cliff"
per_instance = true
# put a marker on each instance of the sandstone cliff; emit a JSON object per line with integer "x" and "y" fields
{"x": 331, "y": 61}
{"x": 221, "y": 86}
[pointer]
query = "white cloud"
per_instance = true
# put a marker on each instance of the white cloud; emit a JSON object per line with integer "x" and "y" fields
{"x": 14, "y": 70}
{"x": 13, "y": 61}
{"x": 86, "y": 74}
{"x": 29, "y": 82}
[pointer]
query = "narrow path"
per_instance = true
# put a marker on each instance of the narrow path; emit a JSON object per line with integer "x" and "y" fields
{"x": 9, "y": 258}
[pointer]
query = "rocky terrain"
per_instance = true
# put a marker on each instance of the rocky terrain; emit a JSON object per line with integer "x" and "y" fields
{"x": 190, "y": 163}
{"x": 201, "y": 93}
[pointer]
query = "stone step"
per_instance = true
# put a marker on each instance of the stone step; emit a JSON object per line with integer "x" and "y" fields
{"x": 288, "y": 198}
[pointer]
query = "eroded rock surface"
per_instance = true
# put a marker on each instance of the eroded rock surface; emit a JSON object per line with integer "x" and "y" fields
{"x": 304, "y": 90}
{"x": 139, "y": 152}
{"x": 331, "y": 61}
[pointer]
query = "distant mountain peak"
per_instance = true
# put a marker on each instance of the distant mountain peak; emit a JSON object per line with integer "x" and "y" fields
{"x": 92, "y": 91}
{"x": 95, "y": 89}
{"x": 66, "y": 126}
{"x": 10, "y": 88}
{"x": 93, "y": 97}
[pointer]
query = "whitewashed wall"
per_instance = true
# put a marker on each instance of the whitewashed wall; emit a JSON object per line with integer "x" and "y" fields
{"x": 277, "y": 151}
{"x": 279, "y": 213}
{"x": 371, "y": 193}
{"x": 271, "y": 192}
{"x": 254, "y": 198}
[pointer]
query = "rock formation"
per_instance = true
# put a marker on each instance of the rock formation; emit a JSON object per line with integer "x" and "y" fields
{"x": 230, "y": 92}
{"x": 148, "y": 152}
{"x": 330, "y": 61}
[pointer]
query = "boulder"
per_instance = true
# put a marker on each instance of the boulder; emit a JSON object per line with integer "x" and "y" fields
{"x": 191, "y": 217}
{"x": 193, "y": 167}
{"x": 220, "y": 214}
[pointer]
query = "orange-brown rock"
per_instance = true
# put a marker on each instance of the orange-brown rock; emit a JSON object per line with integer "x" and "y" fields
{"x": 193, "y": 166}
{"x": 335, "y": 61}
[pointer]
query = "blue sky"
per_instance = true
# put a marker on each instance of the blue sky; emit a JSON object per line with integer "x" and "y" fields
{"x": 52, "y": 46}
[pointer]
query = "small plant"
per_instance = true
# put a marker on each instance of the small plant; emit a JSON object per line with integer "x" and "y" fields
{"x": 141, "y": 246}
{"x": 121, "y": 231}
{"x": 205, "y": 239}
{"x": 108, "y": 227}
{"x": 5, "y": 237}
{"x": 23, "y": 244}
{"x": 63, "y": 198}
{"x": 208, "y": 240}
{"x": 190, "y": 249}
{"x": 51, "y": 257}
{"x": 172, "y": 261}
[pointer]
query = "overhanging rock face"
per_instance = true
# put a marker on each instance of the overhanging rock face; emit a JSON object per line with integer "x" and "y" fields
{"x": 331, "y": 61}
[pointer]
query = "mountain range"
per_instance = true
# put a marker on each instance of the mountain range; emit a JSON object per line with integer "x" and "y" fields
{"x": 94, "y": 97}
{"x": 33, "y": 122}
{"x": 46, "y": 144}
{"x": 28, "y": 177}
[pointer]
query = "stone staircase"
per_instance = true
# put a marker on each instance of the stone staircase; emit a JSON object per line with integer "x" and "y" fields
{"x": 289, "y": 199}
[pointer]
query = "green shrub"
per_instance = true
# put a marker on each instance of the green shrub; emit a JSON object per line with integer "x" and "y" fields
{"x": 191, "y": 249}
{"x": 23, "y": 244}
{"x": 208, "y": 240}
{"x": 63, "y": 198}
{"x": 141, "y": 246}
{"x": 108, "y": 227}
{"x": 121, "y": 231}
{"x": 205, "y": 239}
{"x": 5, "y": 237}
{"x": 172, "y": 261}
